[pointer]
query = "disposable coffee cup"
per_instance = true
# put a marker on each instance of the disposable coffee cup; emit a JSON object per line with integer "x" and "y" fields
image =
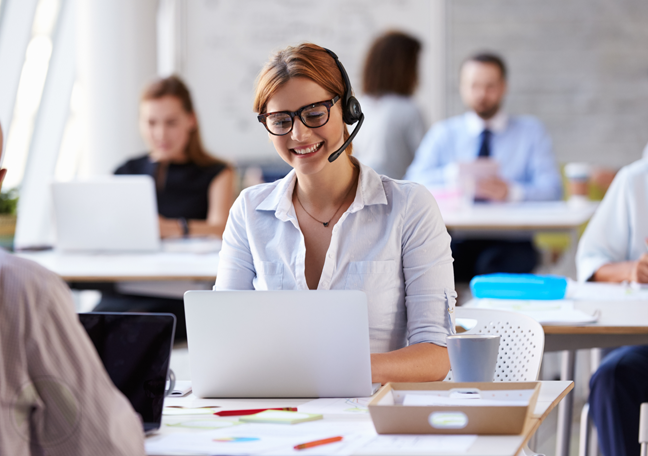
{"x": 578, "y": 175}
{"x": 473, "y": 357}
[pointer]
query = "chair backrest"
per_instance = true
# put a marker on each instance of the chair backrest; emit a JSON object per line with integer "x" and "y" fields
{"x": 521, "y": 341}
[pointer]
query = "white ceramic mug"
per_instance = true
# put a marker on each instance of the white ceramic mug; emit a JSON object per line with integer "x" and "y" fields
{"x": 473, "y": 357}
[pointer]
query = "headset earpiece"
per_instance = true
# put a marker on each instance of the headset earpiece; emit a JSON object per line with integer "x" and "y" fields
{"x": 351, "y": 110}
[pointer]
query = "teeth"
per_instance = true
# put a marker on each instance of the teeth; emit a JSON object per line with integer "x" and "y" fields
{"x": 308, "y": 150}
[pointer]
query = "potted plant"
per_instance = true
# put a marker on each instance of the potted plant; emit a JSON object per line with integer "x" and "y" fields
{"x": 8, "y": 204}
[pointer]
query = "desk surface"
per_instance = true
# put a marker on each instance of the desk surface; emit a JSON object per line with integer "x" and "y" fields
{"x": 126, "y": 267}
{"x": 616, "y": 317}
{"x": 555, "y": 215}
{"x": 622, "y": 321}
{"x": 551, "y": 393}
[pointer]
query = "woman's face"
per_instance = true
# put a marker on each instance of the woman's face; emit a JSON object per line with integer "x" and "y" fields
{"x": 306, "y": 149}
{"x": 166, "y": 127}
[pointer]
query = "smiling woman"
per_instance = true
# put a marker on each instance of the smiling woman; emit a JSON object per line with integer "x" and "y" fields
{"x": 333, "y": 223}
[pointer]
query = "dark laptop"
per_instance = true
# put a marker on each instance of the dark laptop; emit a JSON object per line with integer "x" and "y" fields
{"x": 135, "y": 350}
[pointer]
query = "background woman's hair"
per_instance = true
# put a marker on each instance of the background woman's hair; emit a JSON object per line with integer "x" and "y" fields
{"x": 307, "y": 61}
{"x": 173, "y": 86}
{"x": 391, "y": 65}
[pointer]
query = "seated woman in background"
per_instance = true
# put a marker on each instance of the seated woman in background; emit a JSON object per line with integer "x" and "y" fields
{"x": 194, "y": 190}
{"x": 334, "y": 224}
{"x": 614, "y": 248}
{"x": 394, "y": 127}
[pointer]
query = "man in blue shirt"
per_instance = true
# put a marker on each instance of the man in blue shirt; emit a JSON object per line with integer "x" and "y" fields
{"x": 520, "y": 147}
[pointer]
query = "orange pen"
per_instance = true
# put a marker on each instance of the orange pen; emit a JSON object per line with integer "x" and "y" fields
{"x": 303, "y": 446}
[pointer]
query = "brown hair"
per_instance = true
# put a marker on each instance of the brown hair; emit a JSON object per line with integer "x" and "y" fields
{"x": 307, "y": 60}
{"x": 173, "y": 86}
{"x": 391, "y": 65}
{"x": 489, "y": 58}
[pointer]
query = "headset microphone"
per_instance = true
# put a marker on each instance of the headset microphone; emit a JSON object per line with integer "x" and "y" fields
{"x": 337, "y": 153}
{"x": 351, "y": 110}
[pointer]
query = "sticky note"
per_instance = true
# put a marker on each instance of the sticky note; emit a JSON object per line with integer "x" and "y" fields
{"x": 282, "y": 417}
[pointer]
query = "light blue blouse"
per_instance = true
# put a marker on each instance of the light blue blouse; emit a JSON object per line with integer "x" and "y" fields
{"x": 391, "y": 243}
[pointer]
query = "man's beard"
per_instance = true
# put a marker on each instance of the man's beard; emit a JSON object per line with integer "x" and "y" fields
{"x": 488, "y": 112}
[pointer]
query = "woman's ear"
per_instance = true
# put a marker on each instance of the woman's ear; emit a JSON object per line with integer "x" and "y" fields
{"x": 193, "y": 121}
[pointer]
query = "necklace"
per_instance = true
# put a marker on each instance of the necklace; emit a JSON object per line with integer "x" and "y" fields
{"x": 326, "y": 224}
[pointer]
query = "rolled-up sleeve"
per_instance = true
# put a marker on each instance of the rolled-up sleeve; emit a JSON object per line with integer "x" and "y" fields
{"x": 427, "y": 268}
{"x": 235, "y": 265}
{"x": 607, "y": 236}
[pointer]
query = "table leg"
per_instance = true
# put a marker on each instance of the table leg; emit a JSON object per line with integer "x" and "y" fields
{"x": 566, "y": 406}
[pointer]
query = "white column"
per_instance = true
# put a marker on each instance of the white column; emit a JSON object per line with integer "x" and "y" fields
{"x": 15, "y": 32}
{"x": 117, "y": 49}
{"x": 35, "y": 227}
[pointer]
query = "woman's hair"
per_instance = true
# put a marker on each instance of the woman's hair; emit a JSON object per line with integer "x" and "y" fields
{"x": 307, "y": 61}
{"x": 391, "y": 65}
{"x": 173, "y": 86}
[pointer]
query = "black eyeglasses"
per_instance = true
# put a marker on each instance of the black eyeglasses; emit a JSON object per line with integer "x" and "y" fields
{"x": 313, "y": 116}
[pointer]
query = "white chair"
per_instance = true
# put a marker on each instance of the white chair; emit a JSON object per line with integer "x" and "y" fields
{"x": 643, "y": 429}
{"x": 521, "y": 341}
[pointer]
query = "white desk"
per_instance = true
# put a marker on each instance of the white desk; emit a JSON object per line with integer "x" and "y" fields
{"x": 527, "y": 216}
{"x": 127, "y": 267}
{"x": 551, "y": 393}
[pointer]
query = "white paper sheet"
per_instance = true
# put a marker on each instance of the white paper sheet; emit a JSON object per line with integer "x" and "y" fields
{"x": 593, "y": 291}
{"x": 349, "y": 406}
{"x": 418, "y": 444}
{"x": 268, "y": 439}
{"x": 555, "y": 312}
{"x": 504, "y": 398}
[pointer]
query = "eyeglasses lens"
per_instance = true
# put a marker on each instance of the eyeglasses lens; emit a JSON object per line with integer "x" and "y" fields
{"x": 279, "y": 123}
{"x": 315, "y": 116}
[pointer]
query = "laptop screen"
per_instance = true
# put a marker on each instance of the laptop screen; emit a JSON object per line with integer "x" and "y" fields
{"x": 135, "y": 350}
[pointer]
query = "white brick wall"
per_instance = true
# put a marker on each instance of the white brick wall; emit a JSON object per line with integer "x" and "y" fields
{"x": 581, "y": 66}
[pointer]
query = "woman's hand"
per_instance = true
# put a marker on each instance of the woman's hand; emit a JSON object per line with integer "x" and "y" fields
{"x": 624, "y": 271}
{"x": 169, "y": 227}
{"x": 639, "y": 271}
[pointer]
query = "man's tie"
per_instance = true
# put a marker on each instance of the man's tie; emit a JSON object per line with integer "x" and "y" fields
{"x": 484, "y": 149}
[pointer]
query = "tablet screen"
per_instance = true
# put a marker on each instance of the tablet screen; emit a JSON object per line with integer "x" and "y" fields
{"x": 135, "y": 350}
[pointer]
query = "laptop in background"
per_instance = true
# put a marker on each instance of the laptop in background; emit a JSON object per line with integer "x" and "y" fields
{"x": 107, "y": 214}
{"x": 135, "y": 349}
{"x": 278, "y": 343}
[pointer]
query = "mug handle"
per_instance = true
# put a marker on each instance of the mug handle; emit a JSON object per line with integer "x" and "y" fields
{"x": 171, "y": 381}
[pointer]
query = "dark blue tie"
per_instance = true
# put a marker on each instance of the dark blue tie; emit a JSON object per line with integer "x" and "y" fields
{"x": 484, "y": 149}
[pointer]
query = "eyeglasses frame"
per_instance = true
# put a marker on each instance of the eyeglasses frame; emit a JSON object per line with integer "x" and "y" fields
{"x": 328, "y": 103}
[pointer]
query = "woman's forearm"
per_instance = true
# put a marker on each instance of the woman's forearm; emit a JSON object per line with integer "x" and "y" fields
{"x": 416, "y": 363}
{"x": 204, "y": 228}
{"x": 615, "y": 272}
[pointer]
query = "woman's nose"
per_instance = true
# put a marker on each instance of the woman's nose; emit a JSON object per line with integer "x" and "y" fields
{"x": 300, "y": 131}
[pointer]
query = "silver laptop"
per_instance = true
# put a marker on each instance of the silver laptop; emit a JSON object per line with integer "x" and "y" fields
{"x": 106, "y": 214}
{"x": 278, "y": 343}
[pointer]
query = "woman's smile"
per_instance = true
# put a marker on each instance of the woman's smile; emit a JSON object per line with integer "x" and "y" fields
{"x": 307, "y": 151}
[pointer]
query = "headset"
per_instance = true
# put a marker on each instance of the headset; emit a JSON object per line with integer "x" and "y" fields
{"x": 351, "y": 110}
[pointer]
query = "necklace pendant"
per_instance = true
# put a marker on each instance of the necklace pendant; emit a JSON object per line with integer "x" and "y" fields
{"x": 325, "y": 224}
